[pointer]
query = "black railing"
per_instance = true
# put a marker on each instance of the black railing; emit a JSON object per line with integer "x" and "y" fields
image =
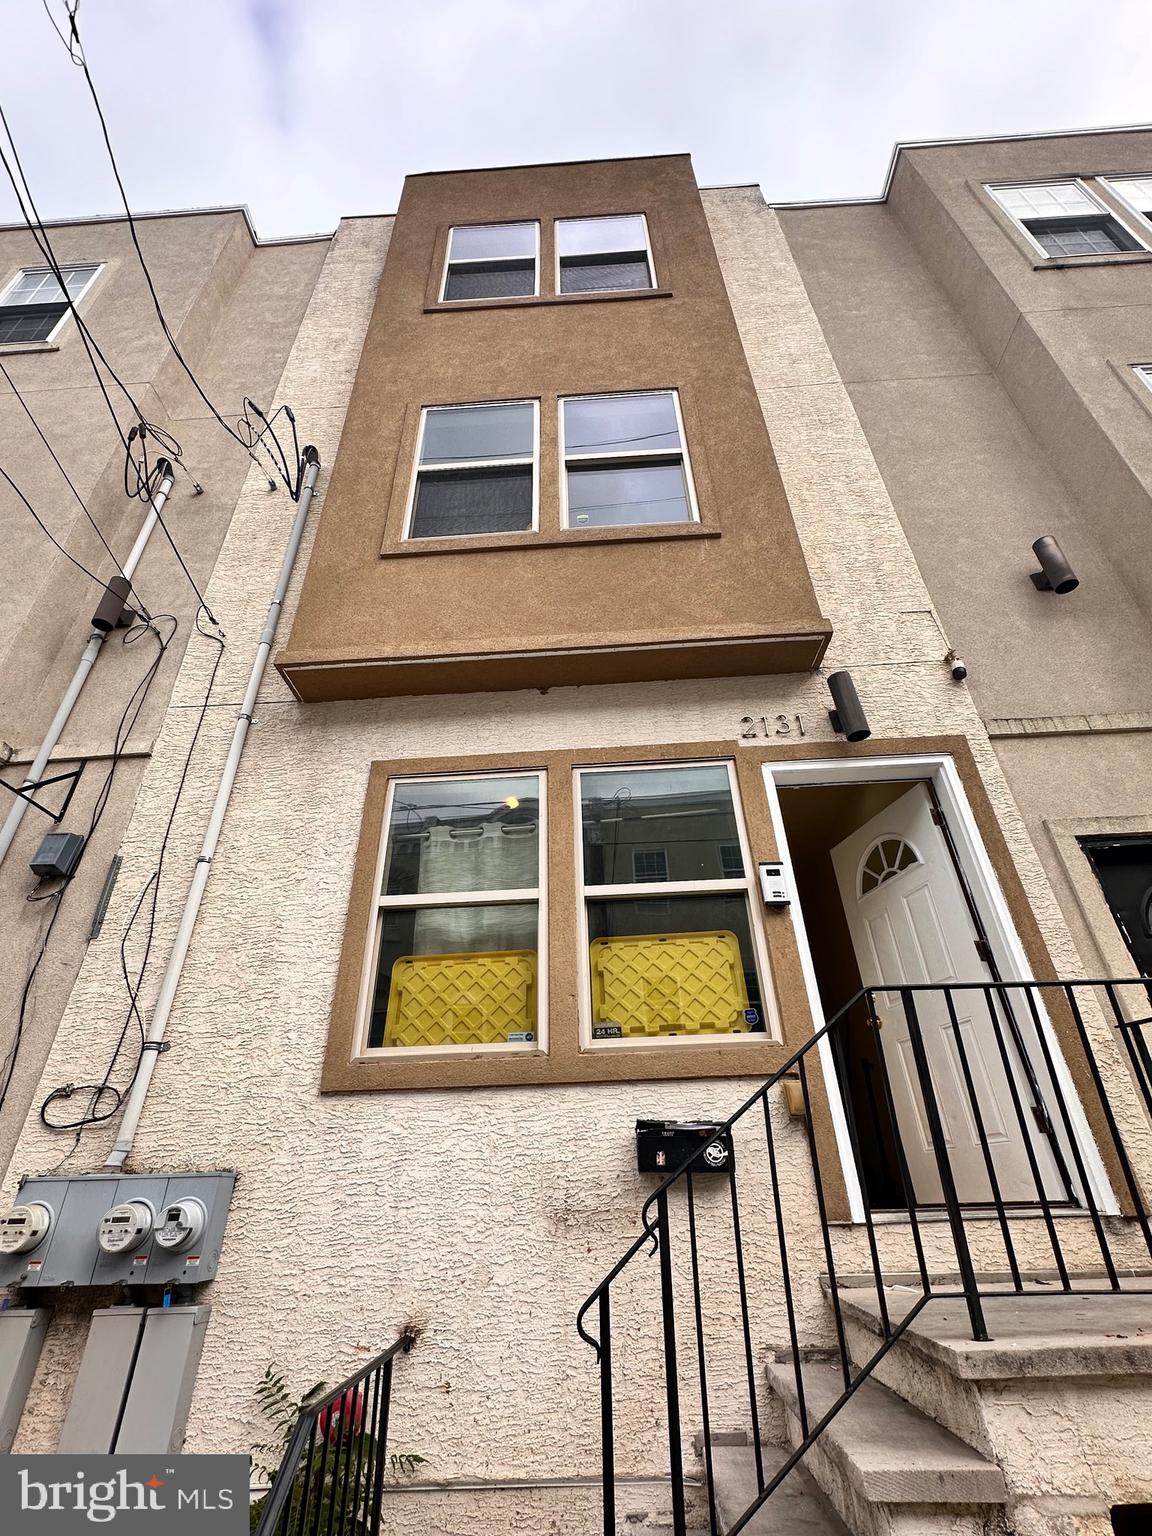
{"x": 957, "y": 1118}
{"x": 330, "y": 1481}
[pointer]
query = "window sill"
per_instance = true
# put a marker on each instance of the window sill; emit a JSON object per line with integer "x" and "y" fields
{"x": 11, "y": 348}
{"x": 467, "y": 544}
{"x": 1120, "y": 259}
{"x": 535, "y": 301}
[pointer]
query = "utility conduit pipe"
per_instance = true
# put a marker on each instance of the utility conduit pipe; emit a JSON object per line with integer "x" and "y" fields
{"x": 170, "y": 981}
{"x": 84, "y": 666}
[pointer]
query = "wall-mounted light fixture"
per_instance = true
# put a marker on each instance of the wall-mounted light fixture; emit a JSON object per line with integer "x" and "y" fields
{"x": 1055, "y": 574}
{"x": 848, "y": 717}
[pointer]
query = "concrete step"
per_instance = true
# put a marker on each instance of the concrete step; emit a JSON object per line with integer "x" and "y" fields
{"x": 887, "y": 1468}
{"x": 1059, "y": 1397}
{"x": 796, "y": 1508}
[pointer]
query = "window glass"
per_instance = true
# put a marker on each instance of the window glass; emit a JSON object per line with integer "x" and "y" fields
{"x": 477, "y": 433}
{"x": 603, "y": 253}
{"x": 673, "y": 966}
{"x": 463, "y": 835}
{"x": 491, "y": 261}
{"x": 636, "y": 494}
{"x": 1136, "y": 190}
{"x": 620, "y": 423}
{"x": 685, "y": 813}
{"x": 1052, "y": 199}
{"x": 450, "y": 496}
{"x": 1082, "y": 237}
{"x": 459, "y": 913}
{"x": 34, "y": 304}
{"x": 1064, "y": 220}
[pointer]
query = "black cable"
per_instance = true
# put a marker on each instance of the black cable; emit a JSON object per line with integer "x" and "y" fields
{"x": 71, "y": 484}
{"x": 80, "y": 566}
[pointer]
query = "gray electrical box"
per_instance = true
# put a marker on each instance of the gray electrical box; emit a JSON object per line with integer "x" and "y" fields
{"x": 71, "y": 1252}
{"x": 22, "y": 1332}
{"x": 135, "y": 1381}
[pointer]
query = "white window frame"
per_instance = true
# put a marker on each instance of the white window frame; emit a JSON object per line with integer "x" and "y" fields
{"x": 463, "y": 464}
{"x": 1143, "y": 372}
{"x": 995, "y": 187}
{"x": 474, "y": 261}
{"x": 422, "y": 900}
{"x": 589, "y": 218}
{"x": 623, "y": 454}
{"x": 1143, "y": 218}
{"x": 748, "y": 886}
{"x": 65, "y": 267}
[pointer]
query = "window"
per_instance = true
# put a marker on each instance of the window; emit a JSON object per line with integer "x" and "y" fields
{"x": 624, "y": 461}
{"x": 491, "y": 261}
{"x": 683, "y": 963}
{"x": 890, "y": 857}
{"x": 457, "y": 932}
{"x": 1143, "y": 372}
{"x": 475, "y": 470}
{"x": 602, "y": 255}
{"x": 33, "y": 304}
{"x": 1134, "y": 191}
{"x": 1062, "y": 219}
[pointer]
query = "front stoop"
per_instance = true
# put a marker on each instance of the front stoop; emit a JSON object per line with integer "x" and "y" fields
{"x": 887, "y": 1468}
{"x": 1060, "y": 1397}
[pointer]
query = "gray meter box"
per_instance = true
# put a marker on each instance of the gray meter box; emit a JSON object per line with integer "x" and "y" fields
{"x": 71, "y": 1255}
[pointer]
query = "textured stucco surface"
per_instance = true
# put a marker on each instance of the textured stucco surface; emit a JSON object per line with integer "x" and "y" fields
{"x": 483, "y": 1215}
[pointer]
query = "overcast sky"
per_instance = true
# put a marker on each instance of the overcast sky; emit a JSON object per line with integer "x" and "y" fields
{"x": 309, "y": 109}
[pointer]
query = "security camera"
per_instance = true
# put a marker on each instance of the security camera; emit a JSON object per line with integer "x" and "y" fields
{"x": 956, "y": 665}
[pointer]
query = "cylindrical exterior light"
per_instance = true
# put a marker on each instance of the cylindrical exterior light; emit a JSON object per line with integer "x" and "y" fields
{"x": 848, "y": 717}
{"x": 1055, "y": 574}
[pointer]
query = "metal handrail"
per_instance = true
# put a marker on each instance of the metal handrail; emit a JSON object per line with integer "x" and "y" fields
{"x": 1009, "y": 1023}
{"x": 352, "y": 1420}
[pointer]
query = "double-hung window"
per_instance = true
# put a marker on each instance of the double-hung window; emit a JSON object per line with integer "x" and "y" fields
{"x": 603, "y": 254}
{"x": 458, "y": 922}
{"x": 625, "y": 461}
{"x": 1063, "y": 219}
{"x": 475, "y": 470}
{"x": 1134, "y": 191}
{"x": 491, "y": 261}
{"x": 33, "y": 304}
{"x": 666, "y": 879}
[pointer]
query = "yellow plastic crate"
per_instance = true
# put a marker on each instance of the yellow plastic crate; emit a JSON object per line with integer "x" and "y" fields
{"x": 669, "y": 984}
{"x": 479, "y": 999}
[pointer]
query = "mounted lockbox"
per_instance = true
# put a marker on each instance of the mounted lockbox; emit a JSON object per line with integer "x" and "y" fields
{"x": 662, "y": 1146}
{"x": 106, "y": 1228}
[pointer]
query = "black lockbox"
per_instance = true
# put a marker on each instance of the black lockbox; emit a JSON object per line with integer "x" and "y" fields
{"x": 662, "y": 1146}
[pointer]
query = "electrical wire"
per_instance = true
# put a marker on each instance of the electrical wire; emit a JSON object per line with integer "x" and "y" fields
{"x": 71, "y": 485}
{"x": 79, "y": 564}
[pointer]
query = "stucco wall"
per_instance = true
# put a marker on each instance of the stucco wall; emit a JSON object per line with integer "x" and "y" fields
{"x": 483, "y": 1215}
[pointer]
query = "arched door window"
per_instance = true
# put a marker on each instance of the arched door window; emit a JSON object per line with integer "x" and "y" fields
{"x": 886, "y": 859}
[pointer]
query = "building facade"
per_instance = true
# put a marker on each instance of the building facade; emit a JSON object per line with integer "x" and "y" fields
{"x": 544, "y": 828}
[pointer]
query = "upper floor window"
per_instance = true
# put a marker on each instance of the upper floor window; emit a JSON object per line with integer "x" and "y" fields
{"x": 603, "y": 254}
{"x": 1143, "y": 372}
{"x": 491, "y": 261}
{"x": 458, "y": 915}
{"x": 33, "y": 305}
{"x": 1135, "y": 191}
{"x": 1062, "y": 219}
{"x": 475, "y": 470}
{"x": 625, "y": 461}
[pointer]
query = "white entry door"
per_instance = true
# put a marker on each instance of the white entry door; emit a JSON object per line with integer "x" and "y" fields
{"x": 910, "y": 925}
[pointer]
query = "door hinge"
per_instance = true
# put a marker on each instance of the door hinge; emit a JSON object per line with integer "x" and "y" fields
{"x": 983, "y": 950}
{"x": 1040, "y": 1115}
{"x": 937, "y": 815}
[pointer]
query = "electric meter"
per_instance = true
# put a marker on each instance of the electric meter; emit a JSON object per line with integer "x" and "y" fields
{"x": 182, "y": 1224}
{"x": 126, "y": 1226}
{"x": 24, "y": 1227}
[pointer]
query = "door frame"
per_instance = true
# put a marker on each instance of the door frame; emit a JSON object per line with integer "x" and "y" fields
{"x": 938, "y": 768}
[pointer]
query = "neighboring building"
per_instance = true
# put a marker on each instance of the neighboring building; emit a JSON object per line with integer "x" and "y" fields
{"x": 545, "y": 828}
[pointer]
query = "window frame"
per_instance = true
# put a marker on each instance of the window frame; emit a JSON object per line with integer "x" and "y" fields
{"x": 1110, "y": 182}
{"x": 587, "y": 218}
{"x": 381, "y": 903}
{"x": 406, "y": 536}
{"x": 653, "y": 890}
{"x": 1143, "y": 374}
{"x": 608, "y": 459}
{"x": 65, "y": 267}
{"x": 993, "y": 188}
{"x": 471, "y": 261}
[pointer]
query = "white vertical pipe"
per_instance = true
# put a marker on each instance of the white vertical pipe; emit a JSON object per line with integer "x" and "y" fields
{"x": 80, "y": 676}
{"x": 170, "y": 981}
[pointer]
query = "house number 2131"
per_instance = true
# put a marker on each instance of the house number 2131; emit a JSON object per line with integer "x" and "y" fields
{"x": 753, "y": 727}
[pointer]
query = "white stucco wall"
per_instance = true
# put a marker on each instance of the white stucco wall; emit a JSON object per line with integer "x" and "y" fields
{"x": 484, "y": 1215}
